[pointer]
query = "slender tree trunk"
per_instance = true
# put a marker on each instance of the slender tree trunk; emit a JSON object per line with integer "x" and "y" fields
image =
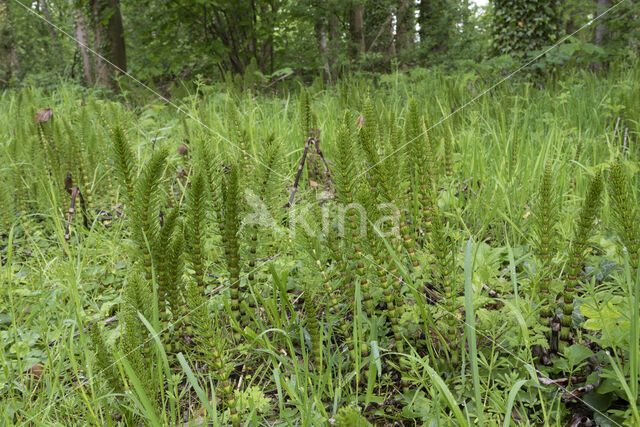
{"x": 14, "y": 62}
{"x": 103, "y": 70}
{"x": 393, "y": 42}
{"x": 9, "y": 63}
{"x": 81, "y": 34}
{"x": 405, "y": 24}
{"x": 423, "y": 18}
{"x": 321, "y": 36}
{"x": 44, "y": 9}
{"x": 109, "y": 40}
{"x": 601, "y": 30}
{"x": 116, "y": 37}
{"x": 268, "y": 12}
{"x": 356, "y": 29}
{"x": 334, "y": 44}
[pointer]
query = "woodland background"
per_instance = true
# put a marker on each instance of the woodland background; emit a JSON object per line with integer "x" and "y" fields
{"x": 160, "y": 41}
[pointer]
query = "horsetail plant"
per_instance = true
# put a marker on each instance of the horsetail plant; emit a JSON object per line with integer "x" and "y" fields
{"x": 195, "y": 228}
{"x": 352, "y": 265}
{"x": 422, "y": 171}
{"x": 81, "y": 151}
{"x": 103, "y": 360}
{"x": 168, "y": 274}
{"x": 231, "y": 240}
{"x": 625, "y": 211}
{"x": 209, "y": 348}
{"x": 307, "y": 119}
{"x": 576, "y": 256}
{"x": 313, "y": 326}
{"x": 262, "y": 184}
{"x": 446, "y": 280}
{"x": 133, "y": 342}
{"x": 145, "y": 210}
{"x": 545, "y": 222}
{"x": 6, "y": 205}
{"x": 240, "y": 139}
{"x": 123, "y": 161}
{"x": 448, "y": 156}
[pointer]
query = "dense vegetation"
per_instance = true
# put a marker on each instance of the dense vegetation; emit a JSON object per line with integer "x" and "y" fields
{"x": 165, "y": 42}
{"x": 480, "y": 267}
{"x": 284, "y": 212}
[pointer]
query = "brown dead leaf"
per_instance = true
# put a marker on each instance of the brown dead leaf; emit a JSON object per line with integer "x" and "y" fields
{"x": 36, "y": 370}
{"x": 68, "y": 183}
{"x": 43, "y": 115}
{"x": 182, "y": 149}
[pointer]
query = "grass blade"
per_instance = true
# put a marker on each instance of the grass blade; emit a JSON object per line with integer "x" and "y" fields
{"x": 199, "y": 391}
{"x": 470, "y": 324}
{"x": 511, "y": 400}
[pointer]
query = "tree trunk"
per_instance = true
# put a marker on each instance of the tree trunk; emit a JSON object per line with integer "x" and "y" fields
{"x": 601, "y": 29}
{"x": 436, "y": 24}
{"x": 109, "y": 40}
{"x": 103, "y": 70}
{"x": 44, "y": 9}
{"x": 334, "y": 44}
{"x": 116, "y": 37}
{"x": 268, "y": 13}
{"x": 602, "y": 33}
{"x": 391, "y": 50}
{"x": 405, "y": 24}
{"x": 356, "y": 29}
{"x": 9, "y": 63}
{"x": 81, "y": 34}
{"x": 321, "y": 36}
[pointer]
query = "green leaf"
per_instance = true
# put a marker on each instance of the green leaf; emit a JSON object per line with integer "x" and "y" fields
{"x": 577, "y": 353}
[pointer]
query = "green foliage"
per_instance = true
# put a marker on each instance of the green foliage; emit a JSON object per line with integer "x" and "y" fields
{"x": 376, "y": 300}
{"x": 103, "y": 360}
{"x": 134, "y": 342}
{"x": 350, "y": 416}
{"x": 520, "y": 27}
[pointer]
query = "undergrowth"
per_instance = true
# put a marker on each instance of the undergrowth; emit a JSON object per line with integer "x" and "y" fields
{"x": 482, "y": 270}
